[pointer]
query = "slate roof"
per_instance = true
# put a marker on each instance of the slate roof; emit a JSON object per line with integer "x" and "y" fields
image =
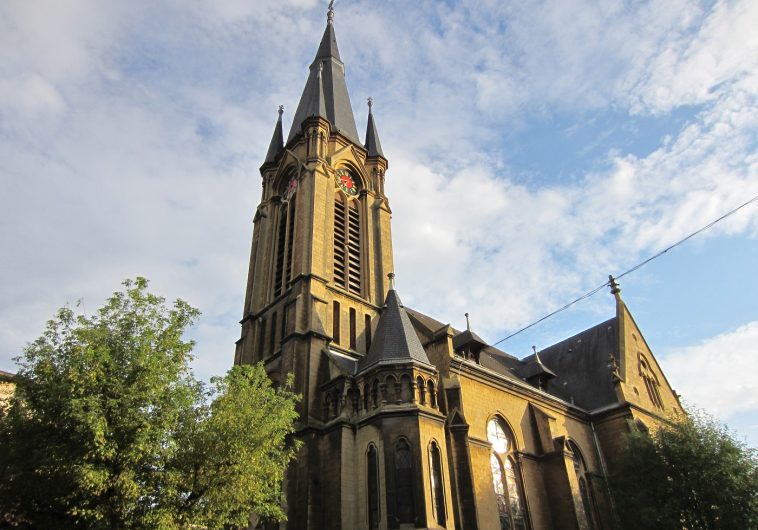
{"x": 466, "y": 338}
{"x": 277, "y": 142}
{"x": 328, "y": 89}
{"x": 395, "y": 339}
{"x": 578, "y": 366}
{"x": 581, "y": 366}
{"x": 373, "y": 145}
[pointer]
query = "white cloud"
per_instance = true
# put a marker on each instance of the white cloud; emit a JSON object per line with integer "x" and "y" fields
{"x": 716, "y": 374}
{"x": 157, "y": 116}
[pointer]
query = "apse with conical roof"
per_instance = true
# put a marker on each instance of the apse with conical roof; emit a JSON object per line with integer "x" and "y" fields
{"x": 395, "y": 340}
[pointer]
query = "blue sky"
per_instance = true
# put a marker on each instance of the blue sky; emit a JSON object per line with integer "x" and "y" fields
{"x": 534, "y": 147}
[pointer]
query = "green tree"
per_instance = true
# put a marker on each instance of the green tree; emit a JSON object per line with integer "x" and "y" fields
{"x": 689, "y": 474}
{"x": 109, "y": 429}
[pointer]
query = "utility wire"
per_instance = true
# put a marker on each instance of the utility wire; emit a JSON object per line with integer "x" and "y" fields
{"x": 641, "y": 264}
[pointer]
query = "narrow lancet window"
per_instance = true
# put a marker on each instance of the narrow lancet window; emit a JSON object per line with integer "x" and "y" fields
{"x": 372, "y": 465}
{"x": 367, "y": 325}
{"x": 404, "y": 482}
{"x": 353, "y": 323}
{"x": 336, "y": 322}
{"x": 438, "y": 489}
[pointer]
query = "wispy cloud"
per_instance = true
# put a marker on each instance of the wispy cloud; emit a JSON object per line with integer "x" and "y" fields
{"x": 131, "y": 133}
{"x": 712, "y": 375}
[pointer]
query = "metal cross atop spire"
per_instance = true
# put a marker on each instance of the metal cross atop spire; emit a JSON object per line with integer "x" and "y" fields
{"x": 370, "y": 101}
{"x": 281, "y": 110}
{"x": 330, "y": 13}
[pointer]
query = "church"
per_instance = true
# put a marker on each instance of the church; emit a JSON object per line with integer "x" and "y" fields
{"x": 405, "y": 421}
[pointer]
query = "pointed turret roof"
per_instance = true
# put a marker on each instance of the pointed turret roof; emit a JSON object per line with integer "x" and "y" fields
{"x": 332, "y": 87}
{"x": 468, "y": 338}
{"x": 394, "y": 339}
{"x": 277, "y": 140}
{"x": 373, "y": 146}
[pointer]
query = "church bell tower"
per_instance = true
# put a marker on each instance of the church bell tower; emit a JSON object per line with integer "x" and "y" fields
{"x": 322, "y": 247}
{"x": 320, "y": 306}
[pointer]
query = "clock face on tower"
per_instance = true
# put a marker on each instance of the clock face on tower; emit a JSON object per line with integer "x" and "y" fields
{"x": 291, "y": 189}
{"x": 346, "y": 183}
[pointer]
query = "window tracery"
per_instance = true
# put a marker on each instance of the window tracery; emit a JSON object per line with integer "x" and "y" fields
{"x": 582, "y": 478}
{"x": 651, "y": 382}
{"x": 506, "y": 477}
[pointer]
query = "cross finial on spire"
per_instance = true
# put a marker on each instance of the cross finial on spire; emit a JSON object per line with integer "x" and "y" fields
{"x": 330, "y": 13}
{"x": 370, "y": 101}
{"x": 281, "y": 111}
{"x": 391, "y": 277}
{"x": 615, "y": 289}
{"x": 468, "y": 323}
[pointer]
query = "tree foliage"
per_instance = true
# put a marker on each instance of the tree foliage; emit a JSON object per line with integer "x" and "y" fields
{"x": 687, "y": 474}
{"x": 109, "y": 429}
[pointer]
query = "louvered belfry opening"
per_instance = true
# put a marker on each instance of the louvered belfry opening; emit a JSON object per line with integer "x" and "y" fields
{"x": 354, "y": 248}
{"x": 290, "y": 236}
{"x": 284, "y": 246}
{"x": 340, "y": 240}
{"x": 347, "y": 244}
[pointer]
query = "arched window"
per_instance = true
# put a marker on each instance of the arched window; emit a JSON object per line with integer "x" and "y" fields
{"x": 581, "y": 476}
{"x": 506, "y": 477}
{"x": 438, "y": 487}
{"x": 375, "y": 394}
{"x": 347, "y": 233}
{"x": 432, "y": 394}
{"x": 285, "y": 239}
{"x": 421, "y": 390}
{"x": 404, "y": 482}
{"x": 372, "y": 475}
{"x": 651, "y": 382}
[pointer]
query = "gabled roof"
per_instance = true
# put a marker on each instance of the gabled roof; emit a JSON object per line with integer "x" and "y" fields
{"x": 332, "y": 89}
{"x": 394, "y": 339}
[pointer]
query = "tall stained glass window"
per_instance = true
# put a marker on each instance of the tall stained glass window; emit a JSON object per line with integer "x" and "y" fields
{"x": 505, "y": 477}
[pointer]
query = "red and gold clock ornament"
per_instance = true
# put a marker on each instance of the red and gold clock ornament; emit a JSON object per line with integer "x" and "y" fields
{"x": 345, "y": 182}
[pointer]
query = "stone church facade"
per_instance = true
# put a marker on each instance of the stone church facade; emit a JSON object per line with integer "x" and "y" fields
{"x": 407, "y": 422}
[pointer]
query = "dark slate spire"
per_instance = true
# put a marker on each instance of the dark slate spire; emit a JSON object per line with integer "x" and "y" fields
{"x": 395, "y": 340}
{"x": 333, "y": 88}
{"x": 277, "y": 140}
{"x": 317, "y": 104}
{"x": 373, "y": 146}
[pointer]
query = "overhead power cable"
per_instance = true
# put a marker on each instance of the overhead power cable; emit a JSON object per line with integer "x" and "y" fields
{"x": 629, "y": 271}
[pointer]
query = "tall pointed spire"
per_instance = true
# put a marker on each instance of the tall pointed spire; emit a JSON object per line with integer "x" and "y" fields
{"x": 333, "y": 88}
{"x": 277, "y": 140}
{"x": 373, "y": 145}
